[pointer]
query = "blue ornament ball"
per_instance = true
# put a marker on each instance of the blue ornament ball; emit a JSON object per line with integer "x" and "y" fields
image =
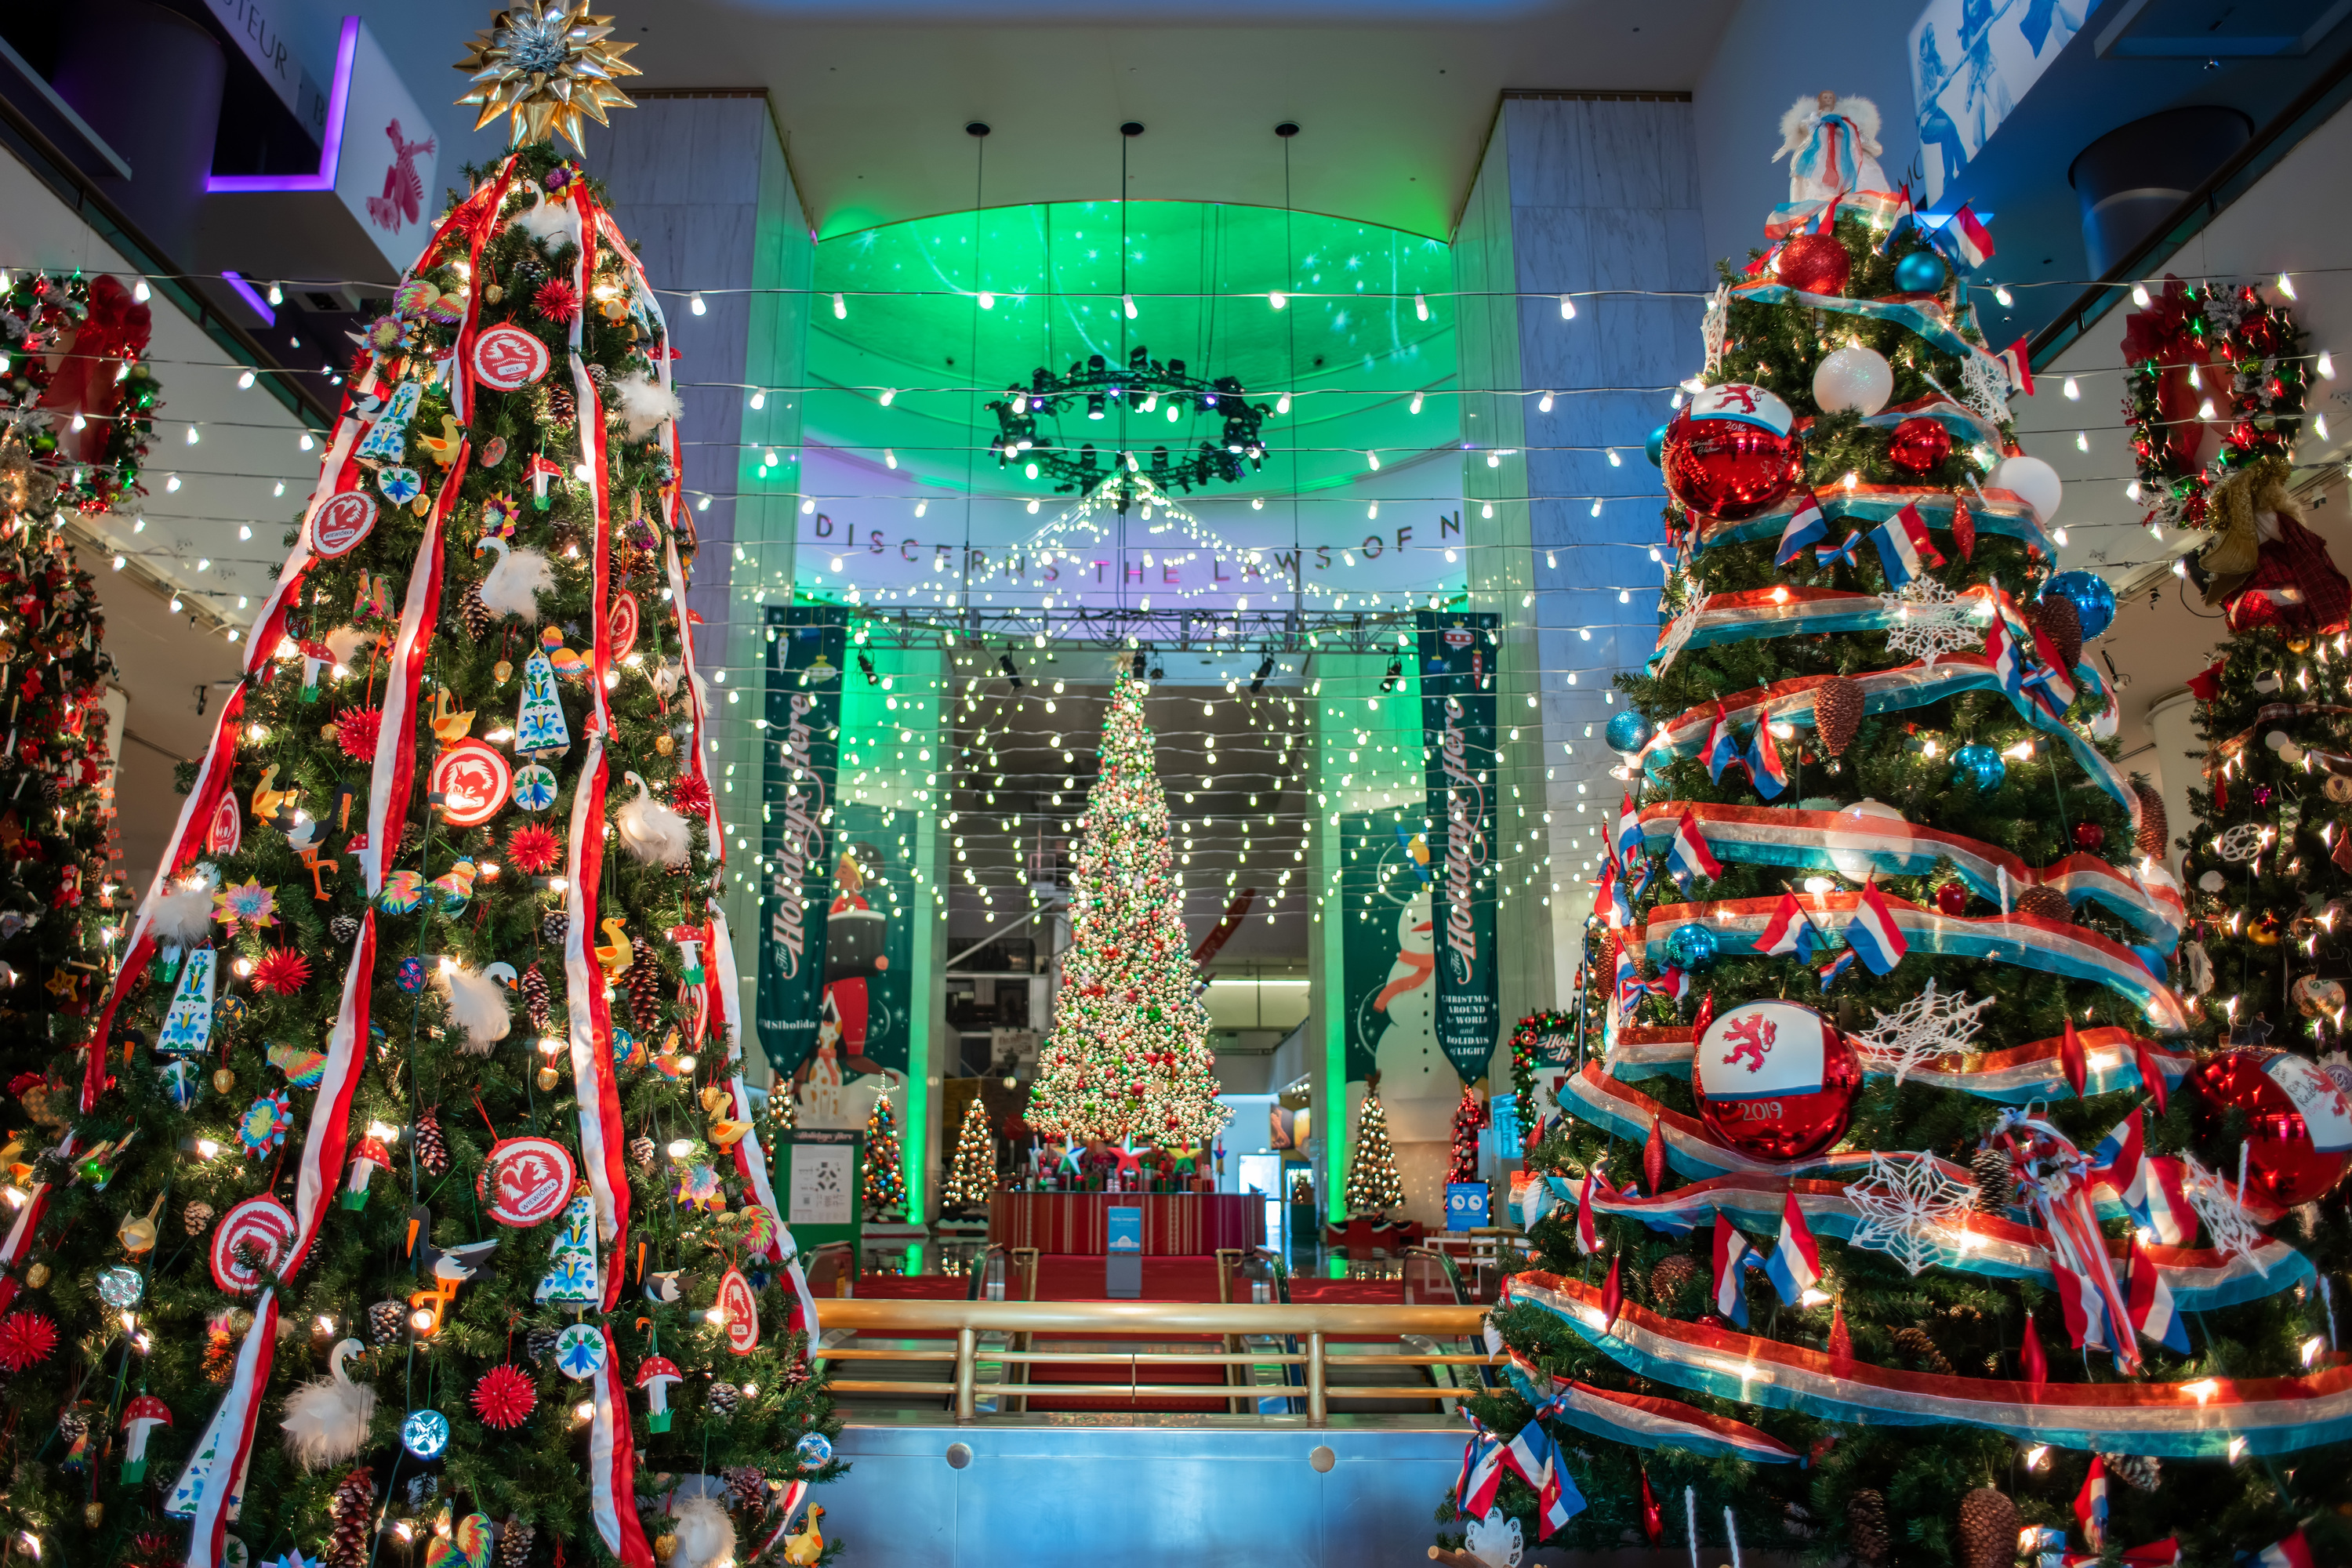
{"x": 1628, "y": 731}
{"x": 1657, "y": 447}
{"x": 410, "y": 977}
{"x": 1691, "y": 946}
{"x": 2094, "y": 602}
{"x": 1921, "y": 272}
{"x": 1980, "y": 765}
{"x": 814, "y": 1450}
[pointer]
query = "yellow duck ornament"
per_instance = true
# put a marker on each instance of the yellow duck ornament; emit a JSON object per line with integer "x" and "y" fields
{"x": 619, "y": 953}
{"x": 805, "y": 1548}
{"x": 449, "y": 727}
{"x": 267, "y": 797}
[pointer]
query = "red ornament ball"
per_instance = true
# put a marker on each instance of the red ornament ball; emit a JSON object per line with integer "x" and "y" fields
{"x": 2298, "y": 1121}
{"x": 1775, "y": 1080}
{"x": 504, "y": 1398}
{"x": 1952, "y": 897}
{"x": 1918, "y": 444}
{"x": 1732, "y": 453}
{"x": 1814, "y": 264}
{"x": 2089, "y": 836}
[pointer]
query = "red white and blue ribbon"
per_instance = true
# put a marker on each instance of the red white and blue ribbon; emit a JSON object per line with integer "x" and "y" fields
{"x": 1923, "y": 315}
{"x": 2028, "y": 941}
{"x": 2054, "y": 1180}
{"x": 1643, "y": 1421}
{"x": 612, "y": 1465}
{"x": 1878, "y": 209}
{"x": 1787, "y": 609}
{"x": 1994, "y": 510}
{"x": 2147, "y": 898}
{"x": 2186, "y": 1421}
{"x": 1991, "y": 1245}
{"x": 2114, "y": 1059}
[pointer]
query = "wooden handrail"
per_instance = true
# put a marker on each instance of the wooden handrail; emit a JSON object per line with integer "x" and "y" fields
{"x": 868, "y": 1316}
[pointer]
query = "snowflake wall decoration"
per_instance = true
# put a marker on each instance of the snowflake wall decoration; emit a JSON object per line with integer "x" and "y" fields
{"x": 2228, "y": 1226}
{"x": 1929, "y": 1025}
{"x": 1908, "y": 1203}
{"x": 1931, "y": 620}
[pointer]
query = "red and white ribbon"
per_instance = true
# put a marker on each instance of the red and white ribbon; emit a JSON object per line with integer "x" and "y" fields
{"x": 215, "y": 1469}
{"x": 612, "y": 1465}
{"x": 751, "y": 1161}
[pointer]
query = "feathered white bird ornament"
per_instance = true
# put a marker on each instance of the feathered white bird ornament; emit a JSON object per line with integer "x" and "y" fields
{"x": 643, "y": 404}
{"x": 705, "y": 1534}
{"x": 651, "y": 831}
{"x": 327, "y": 1418}
{"x": 516, "y": 580}
{"x": 184, "y": 914}
{"x": 478, "y": 1005}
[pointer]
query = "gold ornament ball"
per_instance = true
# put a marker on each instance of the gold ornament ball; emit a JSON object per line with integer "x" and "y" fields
{"x": 502, "y": 672}
{"x": 492, "y": 293}
{"x": 665, "y": 744}
{"x": 93, "y": 1514}
{"x": 36, "y": 1276}
{"x": 223, "y": 1081}
{"x": 549, "y": 1078}
{"x": 665, "y": 1547}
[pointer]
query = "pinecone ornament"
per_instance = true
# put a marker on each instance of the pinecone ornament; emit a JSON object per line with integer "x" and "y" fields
{"x": 387, "y": 1320}
{"x": 1988, "y": 1526}
{"x": 562, "y": 408}
{"x": 1669, "y": 1275}
{"x": 344, "y": 929}
{"x": 539, "y": 1344}
{"x": 1837, "y": 713}
{"x": 1866, "y": 1529}
{"x": 1996, "y": 1180}
{"x": 515, "y": 1537}
{"x": 412, "y": 837}
{"x": 1914, "y": 1342}
{"x": 432, "y": 1148}
{"x": 537, "y": 1001}
{"x": 475, "y": 615}
{"x": 725, "y": 1399}
{"x": 197, "y": 1216}
{"x": 551, "y": 928}
{"x": 2139, "y": 1471}
{"x": 748, "y": 1489}
{"x": 645, "y": 984}
{"x": 2154, "y": 831}
{"x": 641, "y": 1152}
{"x": 2060, "y": 625}
{"x": 2048, "y": 903}
{"x": 350, "y": 1509}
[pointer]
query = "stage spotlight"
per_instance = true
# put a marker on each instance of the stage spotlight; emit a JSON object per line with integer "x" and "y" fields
{"x": 866, "y": 665}
{"x": 1396, "y": 673}
{"x": 1011, "y": 670}
{"x": 1257, "y": 682}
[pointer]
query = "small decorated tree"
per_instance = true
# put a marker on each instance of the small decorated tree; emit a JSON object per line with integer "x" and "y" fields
{"x": 1469, "y": 1117}
{"x": 885, "y": 1187}
{"x": 1130, "y": 1057}
{"x": 973, "y": 1176}
{"x": 1372, "y": 1185}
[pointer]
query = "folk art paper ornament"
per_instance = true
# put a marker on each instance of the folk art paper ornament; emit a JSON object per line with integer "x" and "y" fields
{"x": 539, "y": 725}
{"x": 188, "y": 1023}
{"x": 571, "y": 1278}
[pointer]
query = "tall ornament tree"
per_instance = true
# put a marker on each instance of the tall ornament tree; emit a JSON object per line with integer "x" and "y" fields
{"x": 884, "y": 1184}
{"x": 1895, "y": 1108}
{"x": 1372, "y": 1185}
{"x": 363, "y": 1210}
{"x": 1128, "y": 1058}
{"x": 56, "y": 895}
{"x": 972, "y": 1180}
{"x": 1469, "y": 1117}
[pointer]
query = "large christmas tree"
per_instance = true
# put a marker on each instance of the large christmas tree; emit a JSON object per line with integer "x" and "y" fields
{"x": 1128, "y": 1058}
{"x": 333, "y": 1227}
{"x": 1896, "y": 1106}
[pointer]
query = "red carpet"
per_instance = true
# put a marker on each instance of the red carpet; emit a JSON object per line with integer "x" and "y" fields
{"x": 1063, "y": 1277}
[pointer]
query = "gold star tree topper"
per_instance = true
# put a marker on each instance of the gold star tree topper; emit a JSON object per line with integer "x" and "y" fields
{"x": 546, "y": 64}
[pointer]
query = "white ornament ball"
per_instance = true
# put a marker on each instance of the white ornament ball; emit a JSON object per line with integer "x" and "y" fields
{"x": 1854, "y": 379}
{"x": 1856, "y": 865}
{"x": 2032, "y": 481}
{"x": 2277, "y": 740}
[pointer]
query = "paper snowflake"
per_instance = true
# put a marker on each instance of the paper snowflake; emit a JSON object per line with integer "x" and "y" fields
{"x": 1678, "y": 633}
{"x": 1716, "y": 326}
{"x": 1931, "y": 621}
{"x": 1985, "y": 387}
{"x": 1929, "y": 1025}
{"x": 2228, "y": 1226}
{"x": 1907, "y": 1204}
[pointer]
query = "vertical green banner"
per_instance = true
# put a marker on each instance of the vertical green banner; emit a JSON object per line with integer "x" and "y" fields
{"x": 865, "y": 1015}
{"x": 799, "y": 753}
{"x": 1457, "y": 718}
{"x": 1389, "y": 960}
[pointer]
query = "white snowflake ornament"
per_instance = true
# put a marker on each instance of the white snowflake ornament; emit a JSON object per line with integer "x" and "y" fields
{"x": 1931, "y": 620}
{"x": 1908, "y": 1205}
{"x": 2228, "y": 1226}
{"x": 1929, "y": 1025}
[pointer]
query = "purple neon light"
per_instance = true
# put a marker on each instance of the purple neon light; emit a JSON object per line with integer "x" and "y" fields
{"x": 245, "y": 293}
{"x": 339, "y": 99}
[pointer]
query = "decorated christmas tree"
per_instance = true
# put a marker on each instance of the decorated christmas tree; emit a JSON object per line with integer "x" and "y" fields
{"x": 1128, "y": 1059}
{"x": 1469, "y": 1117}
{"x": 886, "y": 1185}
{"x": 972, "y": 1178}
{"x": 1895, "y": 1104}
{"x": 55, "y": 894}
{"x": 1372, "y": 1185}
{"x": 411, "y": 1182}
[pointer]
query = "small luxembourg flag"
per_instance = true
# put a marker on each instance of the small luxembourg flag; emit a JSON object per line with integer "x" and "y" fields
{"x": 1628, "y": 833}
{"x": 2152, "y": 1311}
{"x": 1907, "y": 219}
{"x": 1613, "y": 897}
{"x": 1722, "y": 751}
{"x": 2162, "y": 1196}
{"x": 1806, "y": 524}
{"x": 1765, "y": 768}
{"x": 2295, "y": 1551}
{"x": 2091, "y": 1505}
{"x": 1795, "y": 1266}
{"x": 1731, "y": 1250}
{"x": 2000, "y": 654}
{"x": 1790, "y": 930}
{"x": 1968, "y": 242}
{"x": 2118, "y": 1159}
{"x": 1873, "y": 933}
{"x": 1687, "y": 857}
{"x": 1904, "y": 549}
{"x": 1835, "y": 967}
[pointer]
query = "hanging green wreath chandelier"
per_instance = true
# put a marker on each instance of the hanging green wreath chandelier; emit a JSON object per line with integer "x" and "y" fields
{"x": 1029, "y": 422}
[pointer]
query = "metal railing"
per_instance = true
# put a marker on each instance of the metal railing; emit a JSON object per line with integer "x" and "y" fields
{"x": 1315, "y": 1326}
